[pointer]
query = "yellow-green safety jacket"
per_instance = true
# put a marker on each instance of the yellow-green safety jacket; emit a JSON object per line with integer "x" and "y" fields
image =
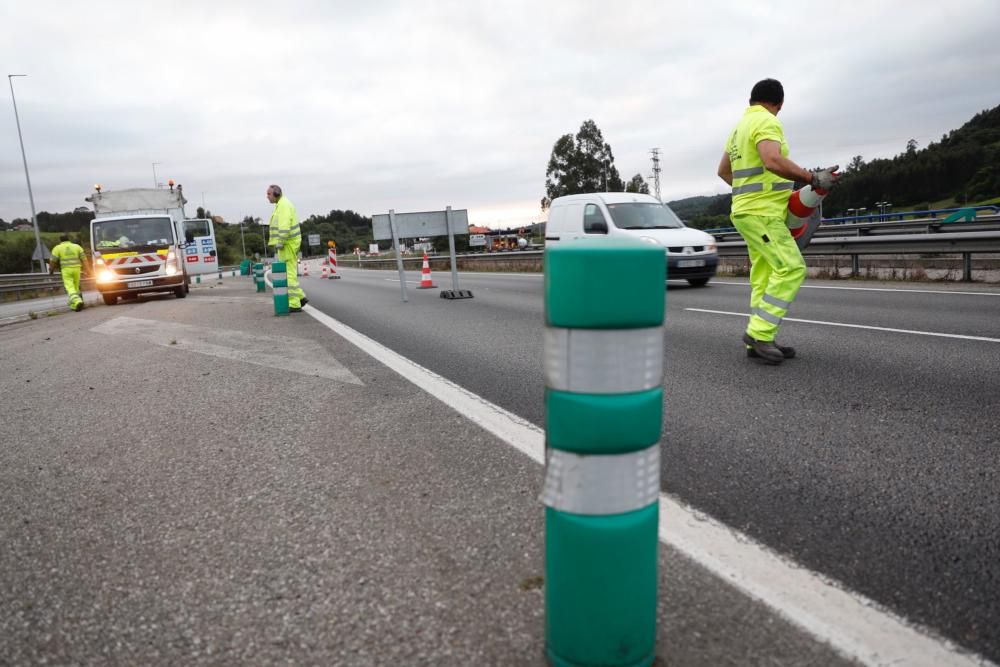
{"x": 284, "y": 225}
{"x": 69, "y": 255}
{"x": 757, "y": 191}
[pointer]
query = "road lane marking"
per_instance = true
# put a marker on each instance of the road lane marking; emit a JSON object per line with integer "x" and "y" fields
{"x": 855, "y": 626}
{"x": 875, "y": 289}
{"x": 857, "y": 326}
{"x": 298, "y": 355}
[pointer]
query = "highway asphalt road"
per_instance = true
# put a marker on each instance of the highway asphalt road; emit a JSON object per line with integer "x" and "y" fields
{"x": 873, "y": 458}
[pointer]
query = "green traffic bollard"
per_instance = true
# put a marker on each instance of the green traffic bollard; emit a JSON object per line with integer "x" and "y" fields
{"x": 279, "y": 279}
{"x": 604, "y": 412}
{"x": 258, "y": 276}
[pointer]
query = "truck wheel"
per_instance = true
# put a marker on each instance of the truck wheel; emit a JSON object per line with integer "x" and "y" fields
{"x": 109, "y": 299}
{"x": 698, "y": 282}
{"x": 181, "y": 291}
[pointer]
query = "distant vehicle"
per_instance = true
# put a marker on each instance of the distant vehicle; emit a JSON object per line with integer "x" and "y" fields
{"x": 142, "y": 242}
{"x": 691, "y": 253}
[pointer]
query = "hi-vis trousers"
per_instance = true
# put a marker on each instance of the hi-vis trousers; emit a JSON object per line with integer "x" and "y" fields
{"x": 290, "y": 256}
{"x": 776, "y": 272}
{"x": 71, "y": 281}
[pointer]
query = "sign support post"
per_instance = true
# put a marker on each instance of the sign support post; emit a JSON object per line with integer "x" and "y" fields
{"x": 399, "y": 255}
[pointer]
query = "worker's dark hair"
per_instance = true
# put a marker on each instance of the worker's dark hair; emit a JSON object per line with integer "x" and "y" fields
{"x": 64, "y": 237}
{"x": 275, "y": 190}
{"x": 768, "y": 90}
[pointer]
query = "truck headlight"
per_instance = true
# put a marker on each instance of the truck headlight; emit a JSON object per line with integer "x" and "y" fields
{"x": 171, "y": 270}
{"x": 106, "y": 276}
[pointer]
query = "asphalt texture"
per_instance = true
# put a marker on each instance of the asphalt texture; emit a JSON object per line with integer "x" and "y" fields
{"x": 184, "y": 497}
{"x": 871, "y": 458}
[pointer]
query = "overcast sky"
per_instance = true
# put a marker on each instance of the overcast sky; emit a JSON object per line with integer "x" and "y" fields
{"x": 418, "y": 105}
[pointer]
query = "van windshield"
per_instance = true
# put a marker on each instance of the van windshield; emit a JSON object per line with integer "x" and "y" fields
{"x": 643, "y": 215}
{"x": 132, "y": 234}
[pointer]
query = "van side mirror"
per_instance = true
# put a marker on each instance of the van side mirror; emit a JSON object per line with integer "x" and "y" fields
{"x": 597, "y": 227}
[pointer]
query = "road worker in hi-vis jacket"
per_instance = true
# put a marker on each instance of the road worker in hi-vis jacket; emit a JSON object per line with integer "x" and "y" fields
{"x": 286, "y": 237}
{"x": 69, "y": 259}
{"x": 756, "y": 165}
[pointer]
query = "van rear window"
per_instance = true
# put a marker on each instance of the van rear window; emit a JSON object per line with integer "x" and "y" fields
{"x": 643, "y": 215}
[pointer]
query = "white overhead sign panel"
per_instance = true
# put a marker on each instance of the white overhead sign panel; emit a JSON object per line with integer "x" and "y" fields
{"x": 414, "y": 225}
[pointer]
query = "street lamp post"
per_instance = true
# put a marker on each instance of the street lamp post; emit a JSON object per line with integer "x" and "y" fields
{"x": 31, "y": 197}
{"x": 242, "y": 239}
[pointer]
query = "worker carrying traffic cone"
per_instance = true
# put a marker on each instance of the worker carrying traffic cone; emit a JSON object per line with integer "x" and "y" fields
{"x": 425, "y": 275}
{"x": 755, "y": 163}
{"x": 803, "y": 214}
{"x": 69, "y": 258}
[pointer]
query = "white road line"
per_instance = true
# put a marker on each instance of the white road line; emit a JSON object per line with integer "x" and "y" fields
{"x": 852, "y": 624}
{"x": 857, "y": 326}
{"x": 875, "y": 289}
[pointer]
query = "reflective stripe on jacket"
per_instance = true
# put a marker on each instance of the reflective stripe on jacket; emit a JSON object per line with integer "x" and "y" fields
{"x": 284, "y": 224}
{"x": 757, "y": 191}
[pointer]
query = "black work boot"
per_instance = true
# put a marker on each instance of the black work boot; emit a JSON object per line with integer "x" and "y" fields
{"x": 766, "y": 351}
{"x": 786, "y": 352}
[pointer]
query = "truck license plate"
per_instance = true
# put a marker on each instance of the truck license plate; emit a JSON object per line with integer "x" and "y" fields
{"x": 689, "y": 263}
{"x": 141, "y": 283}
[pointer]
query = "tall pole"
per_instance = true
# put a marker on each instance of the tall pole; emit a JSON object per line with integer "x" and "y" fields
{"x": 156, "y": 183}
{"x": 24, "y": 157}
{"x": 242, "y": 239}
{"x": 655, "y": 152}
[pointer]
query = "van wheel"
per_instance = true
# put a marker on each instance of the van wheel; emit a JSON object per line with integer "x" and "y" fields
{"x": 181, "y": 291}
{"x": 698, "y": 282}
{"x": 109, "y": 299}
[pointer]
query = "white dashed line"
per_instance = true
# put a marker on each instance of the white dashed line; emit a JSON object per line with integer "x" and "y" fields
{"x": 856, "y": 326}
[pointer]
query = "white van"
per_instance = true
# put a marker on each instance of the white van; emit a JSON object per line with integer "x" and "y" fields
{"x": 691, "y": 253}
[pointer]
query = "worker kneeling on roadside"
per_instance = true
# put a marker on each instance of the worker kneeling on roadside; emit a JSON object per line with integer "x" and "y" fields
{"x": 286, "y": 237}
{"x": 756, "y": 165}
{"x": 69, "y": 259}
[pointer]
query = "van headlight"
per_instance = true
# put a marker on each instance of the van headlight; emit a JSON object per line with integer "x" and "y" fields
{"x": 106, "y": 276}
{"x": 171, "y": 270}
{"x": 711, "y": 246}
{"x": 650, "y": 239}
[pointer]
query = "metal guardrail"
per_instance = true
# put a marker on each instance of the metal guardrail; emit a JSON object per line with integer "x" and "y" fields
{"x": 927, "y": 225}
{"x": 965, "y": 243}
{"x": 19, "y": 283}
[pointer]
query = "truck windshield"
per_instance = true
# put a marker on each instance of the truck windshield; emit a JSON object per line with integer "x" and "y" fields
{"x": 643, "y": 215}
{"x": 133, "y": 234}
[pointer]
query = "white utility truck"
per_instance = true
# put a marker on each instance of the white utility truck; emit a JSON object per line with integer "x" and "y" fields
{"x": 142, "y": 242}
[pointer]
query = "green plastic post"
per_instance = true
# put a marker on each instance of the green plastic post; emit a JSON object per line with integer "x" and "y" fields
{"x": 258, "y": 276}
{"x": 279, "y": 279}
{"x": 601, "y": 567}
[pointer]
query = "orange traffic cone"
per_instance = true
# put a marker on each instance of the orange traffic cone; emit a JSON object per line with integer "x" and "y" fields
{"x": 801, "y": 205}
{"x": 333, "y": 263}
{"x": 425, "y": 275}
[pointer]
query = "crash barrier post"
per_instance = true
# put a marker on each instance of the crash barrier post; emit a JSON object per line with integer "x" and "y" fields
{"x": 258, "y": 276}
{"x": 279, "y": 280}
{"x": 603, "y": 355}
